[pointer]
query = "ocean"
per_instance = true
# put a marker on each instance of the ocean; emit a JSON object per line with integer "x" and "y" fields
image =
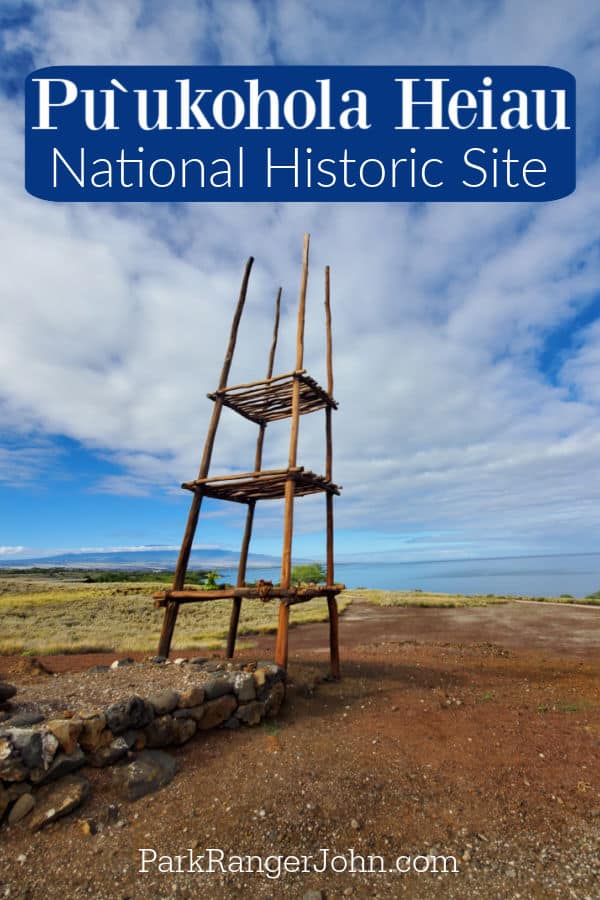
{"x": 532, "y": 576}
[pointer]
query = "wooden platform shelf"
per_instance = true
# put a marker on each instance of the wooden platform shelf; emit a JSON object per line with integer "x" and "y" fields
{"x": 287, "y": 396}
{"x": 271, "y": 399}
{"x": 265, "y": 485}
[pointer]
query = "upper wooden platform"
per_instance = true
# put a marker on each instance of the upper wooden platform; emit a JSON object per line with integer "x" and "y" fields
{"x": 271, "y": 399}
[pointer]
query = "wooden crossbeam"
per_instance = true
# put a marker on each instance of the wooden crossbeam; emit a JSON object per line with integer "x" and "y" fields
{"x": 288, "y": 595}
{"x": 261, "y": 473}
{"x": 250, "y": 384}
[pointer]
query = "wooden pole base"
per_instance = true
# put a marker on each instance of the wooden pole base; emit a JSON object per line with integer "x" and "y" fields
{"x": 233, "y": 626}
{"x": 334, "y": 647}
{"x": 281, "y": 648}
{"x": 168, "y": 627}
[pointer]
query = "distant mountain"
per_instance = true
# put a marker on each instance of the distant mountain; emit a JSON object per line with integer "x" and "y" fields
{"x": 142, "y": 559}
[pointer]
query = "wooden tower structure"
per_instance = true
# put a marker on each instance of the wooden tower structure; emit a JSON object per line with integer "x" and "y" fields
{"x": 287, "y": 396}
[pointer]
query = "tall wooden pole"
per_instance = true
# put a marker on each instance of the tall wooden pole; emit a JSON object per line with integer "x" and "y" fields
{"x": 328, "y": 429}
{"x": 172, "y": 608}
{"x": 331, "y": 600}
{"x": 328, "y": 334}
{"x": 241, "y": 575}
{"x": 281, "y": 649}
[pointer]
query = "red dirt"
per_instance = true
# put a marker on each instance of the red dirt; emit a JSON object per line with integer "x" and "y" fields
{"x": 469, "y": 732}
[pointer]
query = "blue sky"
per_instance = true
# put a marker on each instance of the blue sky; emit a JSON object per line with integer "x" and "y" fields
{"x": 467, "y": 337}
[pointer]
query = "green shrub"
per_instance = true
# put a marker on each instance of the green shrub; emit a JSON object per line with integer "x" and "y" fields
{"x": 210, "y": 581}
{"x": 311, "y": 573}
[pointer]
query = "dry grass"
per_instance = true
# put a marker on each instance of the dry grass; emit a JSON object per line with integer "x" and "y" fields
{"x": 45, "y": 618}
{"x": 584, "y": 601}
{"x": 422, "y": 598}
{"x": 451, "y": 601}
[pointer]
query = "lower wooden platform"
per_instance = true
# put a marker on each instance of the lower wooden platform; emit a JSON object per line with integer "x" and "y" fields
{"x": 264, "y": 591}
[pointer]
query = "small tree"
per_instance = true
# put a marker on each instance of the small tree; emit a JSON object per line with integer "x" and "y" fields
{"x": 311, "y": 573}
{"x": 210, "y": 580}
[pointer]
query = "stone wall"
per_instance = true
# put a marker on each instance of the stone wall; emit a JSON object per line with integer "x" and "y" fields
{"x": 38, "y": 759}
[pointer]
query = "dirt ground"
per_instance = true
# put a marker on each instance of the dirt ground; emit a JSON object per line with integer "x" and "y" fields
{"x": 472, "y": 733}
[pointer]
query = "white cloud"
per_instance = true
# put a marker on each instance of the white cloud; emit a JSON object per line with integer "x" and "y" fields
{"x": 581, "y": 372}
{"x": 21, "y": 462}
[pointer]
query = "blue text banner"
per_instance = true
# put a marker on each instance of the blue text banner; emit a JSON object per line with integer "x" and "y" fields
{"x": 300, "y": 133}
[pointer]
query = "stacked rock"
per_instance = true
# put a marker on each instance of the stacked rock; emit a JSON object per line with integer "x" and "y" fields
{"x": 38, "y": 759}
{"x": 7, "y": 692}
